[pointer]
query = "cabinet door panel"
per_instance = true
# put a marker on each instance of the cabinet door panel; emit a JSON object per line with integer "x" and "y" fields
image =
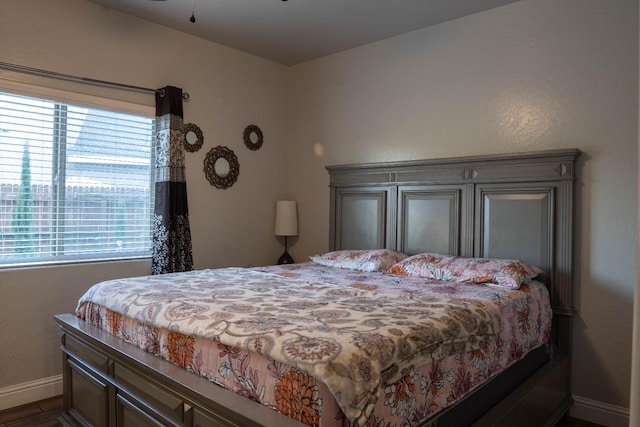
{"x": 430, "y": 219}
{"x": 89, "y": 398}
{"x": 362, "y": 218}
{"x": 515, "y": 222}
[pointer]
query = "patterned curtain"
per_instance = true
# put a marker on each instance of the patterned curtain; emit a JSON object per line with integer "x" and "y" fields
{"x": 171, "y": 231}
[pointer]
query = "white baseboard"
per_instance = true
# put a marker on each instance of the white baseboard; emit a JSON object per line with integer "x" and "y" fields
{"x": 599, "y": 412}
{"x": 31, "y": 391}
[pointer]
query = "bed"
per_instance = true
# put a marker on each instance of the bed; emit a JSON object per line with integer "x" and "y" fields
{"x": 462, "y": 210}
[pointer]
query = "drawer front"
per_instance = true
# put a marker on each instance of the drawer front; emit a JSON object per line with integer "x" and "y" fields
{"x": 150, "y": 391}
{"x": 130, "y": 413}
{"x": 90, "y": 356}
{"x": 203, "y": 419}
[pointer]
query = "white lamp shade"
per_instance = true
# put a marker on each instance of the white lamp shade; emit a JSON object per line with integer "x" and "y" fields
{"x": 286, "y": 218}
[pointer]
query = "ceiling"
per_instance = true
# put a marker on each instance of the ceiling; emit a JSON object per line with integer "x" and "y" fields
{"x": 294, "y": 31}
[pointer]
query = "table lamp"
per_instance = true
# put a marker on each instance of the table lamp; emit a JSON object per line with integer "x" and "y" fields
{"x": 286, "y": 225}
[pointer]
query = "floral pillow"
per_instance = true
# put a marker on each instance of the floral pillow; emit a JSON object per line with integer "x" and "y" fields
{"x": 506, "y": 273}
{"x": 364, "y": 260}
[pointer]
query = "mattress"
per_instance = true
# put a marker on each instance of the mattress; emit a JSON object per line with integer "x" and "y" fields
{"x": 327, "y": 346}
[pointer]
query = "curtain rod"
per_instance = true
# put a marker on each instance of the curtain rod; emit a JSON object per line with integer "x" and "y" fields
{"x": 85, "y": 80}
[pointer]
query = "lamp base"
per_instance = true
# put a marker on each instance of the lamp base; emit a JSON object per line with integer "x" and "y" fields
{"x": 285, "y": 258}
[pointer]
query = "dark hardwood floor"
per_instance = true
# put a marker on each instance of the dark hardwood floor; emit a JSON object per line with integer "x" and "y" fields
{"x": 45, "y": 412}
{"x": 39, "y": 414}
{"x": 573, "y": 422}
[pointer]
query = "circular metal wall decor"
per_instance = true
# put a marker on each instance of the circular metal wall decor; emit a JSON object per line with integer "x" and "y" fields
{"x": 221, "y": 167}
{"x": 193, "y": 138}
{"x": 252, "y": 137}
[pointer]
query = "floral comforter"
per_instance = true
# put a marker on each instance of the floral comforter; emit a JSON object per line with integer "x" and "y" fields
{"x": 366, "y": 348}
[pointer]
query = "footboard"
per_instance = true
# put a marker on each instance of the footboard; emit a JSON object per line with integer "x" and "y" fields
{"x": 108, "y": 382}
{"x": 105, "y": 385}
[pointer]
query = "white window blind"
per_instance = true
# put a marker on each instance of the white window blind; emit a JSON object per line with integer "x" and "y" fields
{"x": 75, "y": 182}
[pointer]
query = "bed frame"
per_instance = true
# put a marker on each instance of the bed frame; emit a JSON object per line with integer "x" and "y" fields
{"x": 507, "y": 206}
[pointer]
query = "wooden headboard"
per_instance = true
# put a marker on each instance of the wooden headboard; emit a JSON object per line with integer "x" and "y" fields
{"x": 516, "y": 206}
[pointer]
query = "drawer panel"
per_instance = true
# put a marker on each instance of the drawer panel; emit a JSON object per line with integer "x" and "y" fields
{"x": 203, "y": 419}
{"x": 129, "y": 414}
{"x": 150, "y": 391}
{"x": 90, "y": 356}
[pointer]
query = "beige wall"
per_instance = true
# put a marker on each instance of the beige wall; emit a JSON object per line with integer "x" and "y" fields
{"x": 634, "y": 418}
{"x": 537, "y": 74}
{"x": 533, "y": 75}
{"x": 229, "y": 90}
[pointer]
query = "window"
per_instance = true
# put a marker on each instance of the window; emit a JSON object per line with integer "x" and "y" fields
{"x": 75, "y": 181}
